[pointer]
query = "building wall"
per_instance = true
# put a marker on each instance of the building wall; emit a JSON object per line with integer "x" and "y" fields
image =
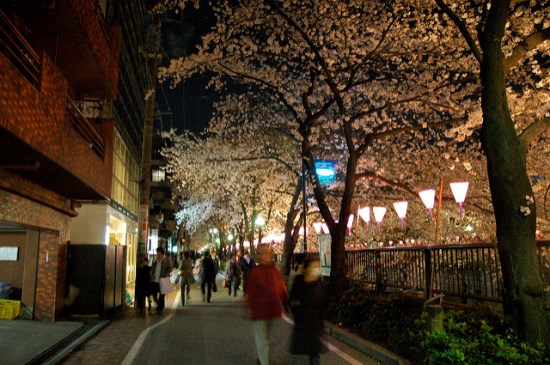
{"x": 89, "y": 225}
{"x": 53, "y": 228}
{"x": 50, "y": 285}
{"x": 37, "y": 117}
{"x": 16, "y": 209}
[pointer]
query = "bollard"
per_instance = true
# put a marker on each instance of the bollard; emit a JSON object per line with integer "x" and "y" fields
{"x": 436, "y": 315}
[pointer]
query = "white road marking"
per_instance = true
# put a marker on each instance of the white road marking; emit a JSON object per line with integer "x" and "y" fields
{"x": 331, "y": 347}
{"x": 129, "y": 359}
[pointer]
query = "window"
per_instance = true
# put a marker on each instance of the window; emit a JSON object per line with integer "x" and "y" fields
{"x": 125, "y": 188}
{"x": 158, "y": 176}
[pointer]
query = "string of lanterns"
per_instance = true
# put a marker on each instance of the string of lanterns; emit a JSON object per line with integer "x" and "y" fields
{"x": 459, "y": 190}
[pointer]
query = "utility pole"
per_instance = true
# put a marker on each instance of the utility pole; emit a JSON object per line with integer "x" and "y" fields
{"x": 153, "y": 55}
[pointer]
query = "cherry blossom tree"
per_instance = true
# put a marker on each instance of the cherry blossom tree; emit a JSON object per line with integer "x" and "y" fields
{"x": 367, "y": 80}
{"x": 242, "y": 170}
{"x": 343, "y": 75}
{"x": 509, "y": 40}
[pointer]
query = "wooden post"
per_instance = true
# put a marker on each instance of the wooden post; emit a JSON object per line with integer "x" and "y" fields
{"x": 432, "y": 271}
{"x": 357, "y": 225}
{"x": 439, "y": 212}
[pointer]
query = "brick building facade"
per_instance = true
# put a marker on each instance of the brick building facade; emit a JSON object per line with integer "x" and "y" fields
{"x": 52, "y": 155}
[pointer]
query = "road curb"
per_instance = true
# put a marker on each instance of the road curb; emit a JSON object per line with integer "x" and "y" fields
{"x": 59, "y": 351}
{"x": 373, "y": 350}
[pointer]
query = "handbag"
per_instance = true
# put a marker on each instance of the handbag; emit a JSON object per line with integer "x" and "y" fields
{"x": 166, "y": 285}
{"x": 224, "y": 283}
{"x": 214, "y": 287}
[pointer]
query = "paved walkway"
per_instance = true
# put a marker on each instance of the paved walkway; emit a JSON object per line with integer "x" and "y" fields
{"x": 196, "y": 334}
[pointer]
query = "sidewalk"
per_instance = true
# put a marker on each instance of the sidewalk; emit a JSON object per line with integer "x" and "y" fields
{"x": 121, "y": 340}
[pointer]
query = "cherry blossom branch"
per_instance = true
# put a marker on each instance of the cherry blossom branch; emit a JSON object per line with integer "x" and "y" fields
{"x": 329, "y": 77}
{"x": 530, "y": 133}
{"x": 462, "y": 28}
{"x": 260, "y": 158}
{"x": 530, "y": 43}
{"x": 392, "y": 132}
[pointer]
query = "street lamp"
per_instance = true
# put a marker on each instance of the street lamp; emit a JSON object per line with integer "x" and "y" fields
{"x": 260, "y": 221}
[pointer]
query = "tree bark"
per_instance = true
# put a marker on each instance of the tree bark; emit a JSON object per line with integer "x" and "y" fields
{"x": 524, "y": 295}
{"x": 290, "y": 244}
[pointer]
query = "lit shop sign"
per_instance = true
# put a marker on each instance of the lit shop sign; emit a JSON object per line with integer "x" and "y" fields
{"x": 325, "y": 171}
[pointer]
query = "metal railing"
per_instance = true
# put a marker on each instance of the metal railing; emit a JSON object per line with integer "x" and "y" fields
{"x": 83, "y": 127}
{"x": 466, "y": 271}
{"x": 18, "y": 51}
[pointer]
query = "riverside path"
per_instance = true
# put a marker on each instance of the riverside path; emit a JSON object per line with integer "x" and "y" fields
{"x": 196, "y": 334}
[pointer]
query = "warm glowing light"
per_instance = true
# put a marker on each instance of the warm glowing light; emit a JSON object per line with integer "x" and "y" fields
{"x": 379, "y": 213}
{"x": 350, "y": 223}
{"x": 318, "y": 227}
{"x": 260, "y": 221}
{"x": 401, "y": 210}
{"x": 364, "y": 213}
{"x": 459, "y": 192}
{"x": 428, "y": 198}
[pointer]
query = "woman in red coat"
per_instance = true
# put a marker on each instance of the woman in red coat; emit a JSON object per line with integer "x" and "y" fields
{"x": 266, "y": 297}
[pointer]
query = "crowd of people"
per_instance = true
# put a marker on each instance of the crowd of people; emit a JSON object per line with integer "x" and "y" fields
{"x": 266, "y": 294}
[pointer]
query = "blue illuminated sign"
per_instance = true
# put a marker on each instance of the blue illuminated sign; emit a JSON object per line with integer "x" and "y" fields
{"x": 325, "y": 171}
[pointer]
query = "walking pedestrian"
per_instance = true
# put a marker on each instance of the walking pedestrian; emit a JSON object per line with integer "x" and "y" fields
{"x": 265, "y": 298}
{"x": 208, "y": 277}
{"x": 233, "y": 274}
{"x": 247, "y": 263}
{"x": 297, "y": 269}
{"x": 161, "y": 268}
{"x": 185, "y": 271}
{"x": 308, "y": 301}
{"x": 142, "y": 290}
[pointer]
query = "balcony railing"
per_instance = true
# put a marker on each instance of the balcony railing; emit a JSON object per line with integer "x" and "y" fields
{"x": 466, "y": 271}
{"x": 83, "y": 127}
{"x": 14, "y": 46}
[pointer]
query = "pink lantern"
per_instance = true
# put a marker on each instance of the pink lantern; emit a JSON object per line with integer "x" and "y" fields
{"x": 364, "y": 213}
{"x": 401, "y": 210}
{"x": 350, "y": 223}
{"x": 459, "y": 192}
{"x": 325, "y": 228}
{"x": 428, "y": 198}
{"x": 379, "y": 213}
{"x": 318, "y": 227}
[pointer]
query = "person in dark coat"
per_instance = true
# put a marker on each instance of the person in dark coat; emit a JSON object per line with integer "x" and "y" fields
{"x": 208, "y": 276}
{"x": 247, "y": 263}
{"x": 142, "y": 285}
{"x": 308, "y": 301}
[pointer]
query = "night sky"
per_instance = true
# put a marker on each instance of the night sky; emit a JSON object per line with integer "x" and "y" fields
{"x": 189, "y": 105}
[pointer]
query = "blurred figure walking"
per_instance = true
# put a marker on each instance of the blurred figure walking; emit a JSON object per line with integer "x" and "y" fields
{"x": 247, "y": 263}
{"x": 208, "y": 276}
{"x": 161, "y": 268}
{"x": 143, "y": 278}
{"x": 185, "y": 271}
{"x": 308, "y": 301}
{"x": 266, "y": 297}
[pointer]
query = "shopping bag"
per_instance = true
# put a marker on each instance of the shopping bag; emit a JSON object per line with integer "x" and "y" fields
{"x": 174, "y": 277}
{"x": 214, "y": 287}
{"x": 224, "y": 283}
{"x": 166, "y": 285}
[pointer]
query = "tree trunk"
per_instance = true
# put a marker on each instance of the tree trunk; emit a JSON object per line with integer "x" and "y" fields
{"x": 290, "y": 244}
{"x": 338, "y": 268}
{"x": 524, "y": 295}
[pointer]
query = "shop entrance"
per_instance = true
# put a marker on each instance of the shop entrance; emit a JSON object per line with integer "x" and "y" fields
{"x": 18, "y": 262}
